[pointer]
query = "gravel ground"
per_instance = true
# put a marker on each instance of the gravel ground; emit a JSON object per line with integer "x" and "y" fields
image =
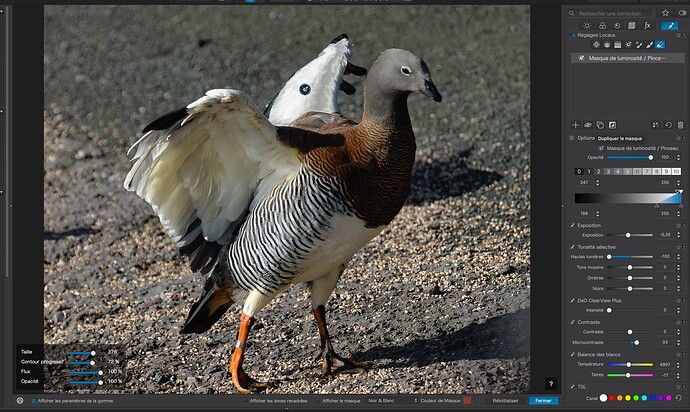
{"x": 437, "y": 303}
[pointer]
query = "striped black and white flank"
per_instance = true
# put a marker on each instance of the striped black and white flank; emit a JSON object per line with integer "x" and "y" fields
{"x": 285, "y": 232}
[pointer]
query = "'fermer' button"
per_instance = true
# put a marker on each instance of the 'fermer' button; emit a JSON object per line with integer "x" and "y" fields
{"x": 543, "y": 400}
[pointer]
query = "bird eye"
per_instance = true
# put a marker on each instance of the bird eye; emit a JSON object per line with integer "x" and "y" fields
{"x": 405, "y": 70}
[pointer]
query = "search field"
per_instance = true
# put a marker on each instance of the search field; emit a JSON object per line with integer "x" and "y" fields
{"x": 629, "y": 13}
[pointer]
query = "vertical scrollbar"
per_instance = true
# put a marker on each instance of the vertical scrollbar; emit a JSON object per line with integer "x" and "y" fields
{"x": 4, "y": 220}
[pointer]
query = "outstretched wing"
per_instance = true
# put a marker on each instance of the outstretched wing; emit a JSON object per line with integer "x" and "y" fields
{"x": 202, "y": 167}
{"x": 315, "y": 86}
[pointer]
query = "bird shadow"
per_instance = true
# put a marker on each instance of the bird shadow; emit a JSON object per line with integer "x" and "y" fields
{"x": 77, "y": 232}
{"x": 448, "y": 178}
{"x": 501, "y": 337}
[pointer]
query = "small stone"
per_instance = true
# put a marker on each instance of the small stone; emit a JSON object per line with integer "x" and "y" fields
{"x": 191, "y": 382}
{"x": 88, "y": 154}
{"x": 165, "y": 378}
{"x": 58, "y": 317}
{"x": 435, "y": 290}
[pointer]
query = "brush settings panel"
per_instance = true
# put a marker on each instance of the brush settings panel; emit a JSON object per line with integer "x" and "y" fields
{"x": 625, "y": 203}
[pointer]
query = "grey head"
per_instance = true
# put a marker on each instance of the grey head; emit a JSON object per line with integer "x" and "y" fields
{"x": 399, "y": 72}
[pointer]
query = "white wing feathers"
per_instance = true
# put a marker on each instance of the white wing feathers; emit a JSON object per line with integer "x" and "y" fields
{"x": 323, "y": 76}
{"x": 203, "y": 168}
{"x": 202, "y": 173}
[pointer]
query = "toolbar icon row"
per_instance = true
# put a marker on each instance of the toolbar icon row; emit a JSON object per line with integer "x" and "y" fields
{"x": 629, "y": 44}
{"x": 594, "y": 124}
{"x": 624, "y": 25}
{"x": 667, "y": 124}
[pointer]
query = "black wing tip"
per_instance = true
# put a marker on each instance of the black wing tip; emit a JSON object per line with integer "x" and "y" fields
{"x": 205, "y": 257}
{"x": 204, "y": 313}
{"x": 166, "y": 121}
{"x": 354, "y": 69}
{"x": 347, "y": 88}
{"x": 204, "y": 254}
{"x": 337, "y": 39}
{"x": 202, "y": 321}
{"x": 201, "y": 324}
{"x": 192, "y": 328}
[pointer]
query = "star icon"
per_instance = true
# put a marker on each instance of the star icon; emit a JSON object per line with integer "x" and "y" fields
{"x": 664, "y": 13}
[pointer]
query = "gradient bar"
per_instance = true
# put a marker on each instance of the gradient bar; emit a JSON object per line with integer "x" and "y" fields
{"x": 629, "y": 198}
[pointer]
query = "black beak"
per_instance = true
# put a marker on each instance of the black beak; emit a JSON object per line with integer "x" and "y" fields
{"x": 430, "y": 91}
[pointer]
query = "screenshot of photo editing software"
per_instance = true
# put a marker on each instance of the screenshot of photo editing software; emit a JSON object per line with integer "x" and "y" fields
{"x": 345, "y": 205}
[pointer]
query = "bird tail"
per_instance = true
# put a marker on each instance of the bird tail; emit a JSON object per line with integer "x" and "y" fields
{"x": 215, "y": 301}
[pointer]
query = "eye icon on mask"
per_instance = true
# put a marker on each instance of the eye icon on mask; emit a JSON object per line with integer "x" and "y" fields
{"x": 304, "y": 89}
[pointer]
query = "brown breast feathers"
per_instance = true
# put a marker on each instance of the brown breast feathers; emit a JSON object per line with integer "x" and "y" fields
{"x": 373, "y": 165}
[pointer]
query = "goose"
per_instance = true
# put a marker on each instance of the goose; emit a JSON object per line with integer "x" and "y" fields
{"x": 259, "y": 207}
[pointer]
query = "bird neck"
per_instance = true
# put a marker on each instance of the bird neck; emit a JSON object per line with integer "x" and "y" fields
{"x": 381, "y": 149}
{"x": 389, "y": 135}
{"x": 383, "y": 141}
{"x": 386, "y": 108}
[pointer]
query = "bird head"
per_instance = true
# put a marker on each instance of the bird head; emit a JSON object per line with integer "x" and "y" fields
{"x": 399, "y": 71}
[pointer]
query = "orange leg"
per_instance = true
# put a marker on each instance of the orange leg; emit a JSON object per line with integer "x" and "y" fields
{"x": 331, "y": 362}
{"x": 240, "y": 379}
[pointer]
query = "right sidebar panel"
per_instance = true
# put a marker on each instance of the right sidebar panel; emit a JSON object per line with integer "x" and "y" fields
{"x": 625, "y": 128}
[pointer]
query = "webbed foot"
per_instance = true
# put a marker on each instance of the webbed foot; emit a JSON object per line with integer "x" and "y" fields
{"x": 246, "y": 384}
{"x": 333, "y": 364}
